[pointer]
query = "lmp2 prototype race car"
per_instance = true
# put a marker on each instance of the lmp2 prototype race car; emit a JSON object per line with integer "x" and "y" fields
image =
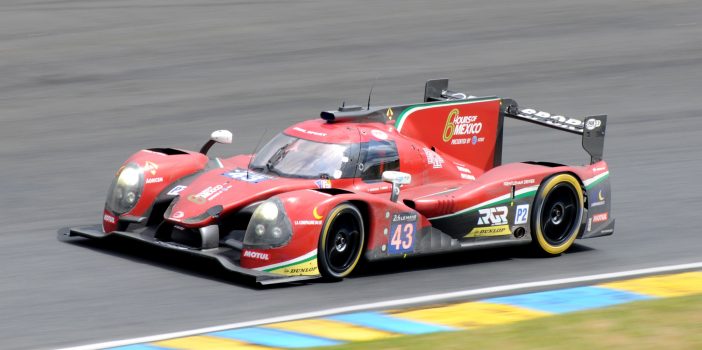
{"x": 374, "y": 183}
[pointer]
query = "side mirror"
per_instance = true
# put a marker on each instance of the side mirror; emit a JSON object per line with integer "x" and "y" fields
{"x": 397, "y": 179}
{"x": 221, "y": 136}
{"x": 218, "y": 136}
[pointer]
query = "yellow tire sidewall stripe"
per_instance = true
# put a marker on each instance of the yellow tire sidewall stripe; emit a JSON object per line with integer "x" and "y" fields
{"x": 330, "y": 219}
{"x": 550, "y": 184}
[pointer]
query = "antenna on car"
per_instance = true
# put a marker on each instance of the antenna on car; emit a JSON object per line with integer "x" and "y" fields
{"x": 253, "y": 155}
{"x": 371, "y": 91}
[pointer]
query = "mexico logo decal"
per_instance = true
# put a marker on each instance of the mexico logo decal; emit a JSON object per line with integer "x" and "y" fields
{"x": 457, "y": 125}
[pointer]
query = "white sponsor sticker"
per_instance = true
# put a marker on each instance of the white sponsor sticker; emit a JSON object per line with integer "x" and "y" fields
{"x": 600, "y": 217}
{"x": 466, "y": 125}
{"x": 176, "y": 190}
{"x": 569, "y": 123}
{"x": 522, "y": 214}
{"x": 154, "y": 180}
{"x": 308, "y": 222}
{"x": 379, "y": 134}
{"x": 519, "y": 182}
{"x": 310, "y": 132}
{"x": 109, "y": 218}
{"x": 433, "y": 159}
{"x": 256, "y": 255}
{"x": 592, "y": 124}
{"x": 209, "y": 193}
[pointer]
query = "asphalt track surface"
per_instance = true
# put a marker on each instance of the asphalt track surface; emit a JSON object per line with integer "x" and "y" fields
{"x": 83, "y": 84}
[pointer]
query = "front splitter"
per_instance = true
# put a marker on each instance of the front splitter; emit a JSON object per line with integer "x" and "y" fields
{"x": 223, "y": 255}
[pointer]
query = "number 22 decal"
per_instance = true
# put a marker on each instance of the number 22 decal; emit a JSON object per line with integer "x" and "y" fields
{"x": 403, "y": 237}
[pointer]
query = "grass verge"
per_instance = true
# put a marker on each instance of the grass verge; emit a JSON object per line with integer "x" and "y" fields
{"x": 673, "y": 323}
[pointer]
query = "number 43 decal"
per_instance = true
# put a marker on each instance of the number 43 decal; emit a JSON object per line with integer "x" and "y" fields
{"x": 403, "y": 237}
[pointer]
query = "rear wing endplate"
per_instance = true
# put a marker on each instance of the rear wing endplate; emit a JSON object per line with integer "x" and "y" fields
{"x": 592, "y": 128}
{"x": 437, "y": 90}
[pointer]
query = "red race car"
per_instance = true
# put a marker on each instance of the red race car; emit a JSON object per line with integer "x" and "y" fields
{"x": 377, "y": 182}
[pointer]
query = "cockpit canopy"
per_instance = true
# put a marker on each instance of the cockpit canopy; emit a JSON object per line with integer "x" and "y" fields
{"x": 290, "y": 156}
{"x": 295, "y": 157}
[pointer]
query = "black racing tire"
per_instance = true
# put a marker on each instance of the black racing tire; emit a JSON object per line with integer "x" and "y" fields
{"x": 558, "y": 214}
{"x": 341, "y": 242}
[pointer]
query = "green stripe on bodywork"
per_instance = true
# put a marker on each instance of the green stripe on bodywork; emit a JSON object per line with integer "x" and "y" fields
{"x": 508, "y": 200}
{"x": 488, "y": 203}
{"x": 503, "y": 201}
{"x": 597, "y": 182}
{"x": 291, "y": 264}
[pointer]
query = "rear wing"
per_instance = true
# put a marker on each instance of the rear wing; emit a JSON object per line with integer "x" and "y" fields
{"x": 591, "y": 128}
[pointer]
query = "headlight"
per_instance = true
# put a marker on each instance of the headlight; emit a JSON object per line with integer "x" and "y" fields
{"x": 269, "y": 226}
{"x": 267, "y": 211}
{"x": 125, "y": 189}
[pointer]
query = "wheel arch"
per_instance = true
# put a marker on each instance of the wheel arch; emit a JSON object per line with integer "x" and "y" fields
{"x": 568, "y": 172}
{"x": 582, "y": 188}
{"x": 364, "y": 208}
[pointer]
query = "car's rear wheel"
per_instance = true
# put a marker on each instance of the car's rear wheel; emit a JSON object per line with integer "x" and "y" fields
{"x": 558, "y": 214}
{"x": 341, "y": 242}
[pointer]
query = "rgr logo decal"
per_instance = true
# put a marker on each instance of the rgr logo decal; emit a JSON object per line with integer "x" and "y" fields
{"x": 461, "y": 125}
{"x": 493, "y": 216}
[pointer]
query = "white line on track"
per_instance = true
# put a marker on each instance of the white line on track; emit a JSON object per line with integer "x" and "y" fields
{"x": 396, "y": 303}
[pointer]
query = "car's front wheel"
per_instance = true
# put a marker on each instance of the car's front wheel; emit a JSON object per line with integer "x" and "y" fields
{"x": 558, "y": 214}
{"x": 341, "y": 242}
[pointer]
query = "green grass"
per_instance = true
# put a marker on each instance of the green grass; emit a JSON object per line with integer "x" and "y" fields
{"x": 669, "y": 324}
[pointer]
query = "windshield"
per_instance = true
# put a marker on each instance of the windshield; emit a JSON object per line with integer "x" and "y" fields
{"x": 294, "y": 157}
